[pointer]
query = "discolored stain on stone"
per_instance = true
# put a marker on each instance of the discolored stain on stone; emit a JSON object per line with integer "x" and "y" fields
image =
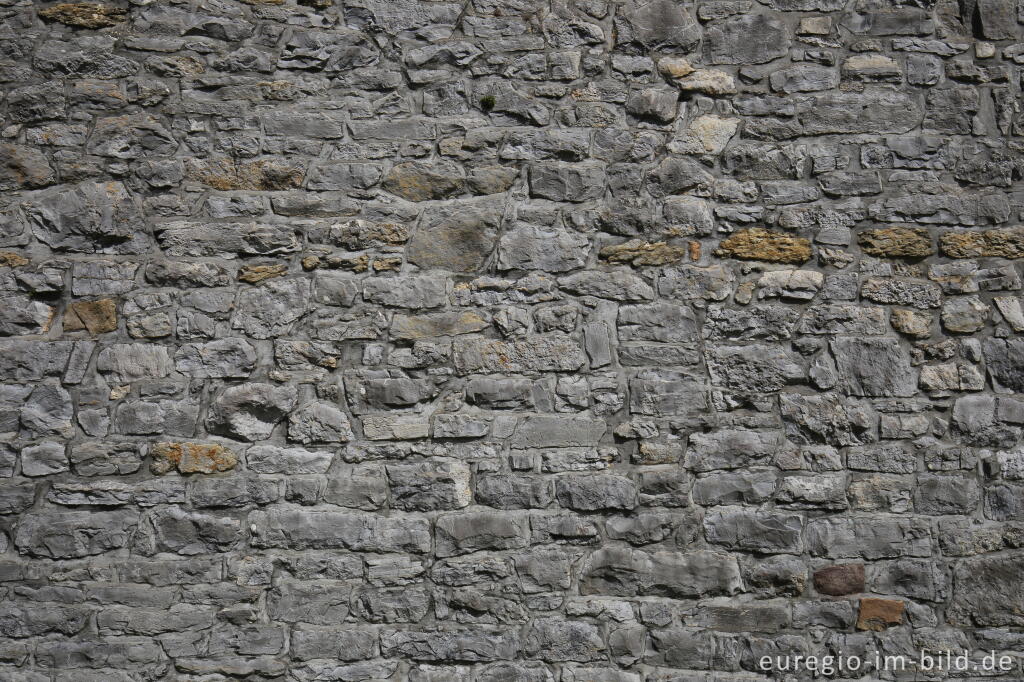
{"x": 417, "y": 181}
{"x": 765, "y": 245}
{"x": 840, "y": 580}
{"x": 254, "y": 274}
{"x": 97, "y": 317}
{"x": 228, "y": 174}
{"x": 23, "y": 167}
{"x": 11, "y": 259}
{"x": 85, "y": 14}
{"x": 896, "y": 242}
{"x": 1001, "y": 243}
{"x": 637, "y": 252}
{"x": 879, "y": 614}
{"x": 191, "y": 458}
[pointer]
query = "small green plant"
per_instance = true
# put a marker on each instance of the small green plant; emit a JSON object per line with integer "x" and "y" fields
{"x": 487, "y": 102}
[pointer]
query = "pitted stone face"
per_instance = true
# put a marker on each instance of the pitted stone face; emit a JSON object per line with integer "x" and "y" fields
{"x": 508, "y": 340}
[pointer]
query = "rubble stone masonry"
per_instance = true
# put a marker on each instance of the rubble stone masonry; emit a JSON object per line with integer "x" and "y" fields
{"x": 509, "y": 340}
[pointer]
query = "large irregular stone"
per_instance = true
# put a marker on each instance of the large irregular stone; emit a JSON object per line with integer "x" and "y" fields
{"x": 85, "y": 14}
{"x": 249, "y": 412}
{"x": 301, "y": 529}
{"x": 746, "y": 39}
{"x": 550, "y": 352}
{"x": 457, "y": 237}
{"x": 593, "y": 492}
{"x": 657, "y": 25}
{"x": 896, "y": 242}
{"x": 90, "y": 217}
{"x": 529, "y": 247}
{"x": 271, "y": 309}
{"x": 986, "y": 593}
{"x": 680, "y": 575}
{"x": 754, "y": 368}
{"x": 1003, "y": 359}
{"x": 128, "y": 362}
{"x": 24, "y": 168}
{"x": 1001, "y": 243}
{"x": 760, "y": 244}
{"x": 319, "y": 422}
{"x": 72, "y": 535}
{"x": 464, "y": 532}
{"x": 191, "y": 458}
{"x": 226, "y": 240}
{"x": 223, "y": 358}
{"x": 875, "y": 367}
{"x": 429, "y": 486}
{"x": 417, "y": 181}
{"x": 878, "y": 111}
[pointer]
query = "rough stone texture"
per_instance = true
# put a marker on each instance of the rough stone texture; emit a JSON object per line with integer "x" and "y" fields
{"x": 509, "y": 340}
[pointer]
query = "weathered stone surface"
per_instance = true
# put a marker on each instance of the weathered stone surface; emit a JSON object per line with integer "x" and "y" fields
{"x": 535, "y": 248}
{"x": 658, "y": 25}
{"x": 127, "y": 362}
{"x": 551, "y": 352}
{"x": 463, "y": 532}
{"x": 422, "y": 181}
{"x": 760, "y": 244}
{"x": 873, "y": 367}
{"x": 191, "y": 458}
{"x": 457, "y": 238}
{"x": 234, "y": 358}
{"x": 839, "y": 580}
{"x": 318, "y": 422}
{"x": 896, "y": 242}
{"x": 753, "y": 368}
{"x": 229, "y": 174}
{"x": 429, "y": 486}
{"x": 24, "y": 168}
{"x": 91, "y": 217}
{"x": 96, "y": 317}
{"x": 746, "y": 39}
{"x": 300, "y": 529}
{"x": 878, "y": 614}
{"x": 593, "y": 492}
{"x": 984, "y": 592}
{"x": 250, "y": 411}
{"x": 1001, "y": 243}
{"x": 84, "y": 14}
{"x": 69, "y": 535}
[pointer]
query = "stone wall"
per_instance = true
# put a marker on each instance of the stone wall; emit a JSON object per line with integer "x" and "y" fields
{"x": 508, "y": 341}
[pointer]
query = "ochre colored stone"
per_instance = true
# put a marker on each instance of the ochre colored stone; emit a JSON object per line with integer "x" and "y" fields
{"x": 761, "y": 244}
{"x": 675, "y": 67}
{"x": 254, "y": 274}
{"x": 912, "y": 322}
{"x": 1002, "y": 243}
{"x": 226, "y": 174}
{"x": 85, "y": 14}
{"x": 420, "y": 182}
{"x": 12, "y": 260}
{"x": 97, "y": 317}
{"x": 878, "y": 614}
{"x": 896, "y": 242}
{"x": 387, "y": 264}
{"x": 191, "y": 458}
{"x": 637, "y": 252}
{"x": 840, "y": 579}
